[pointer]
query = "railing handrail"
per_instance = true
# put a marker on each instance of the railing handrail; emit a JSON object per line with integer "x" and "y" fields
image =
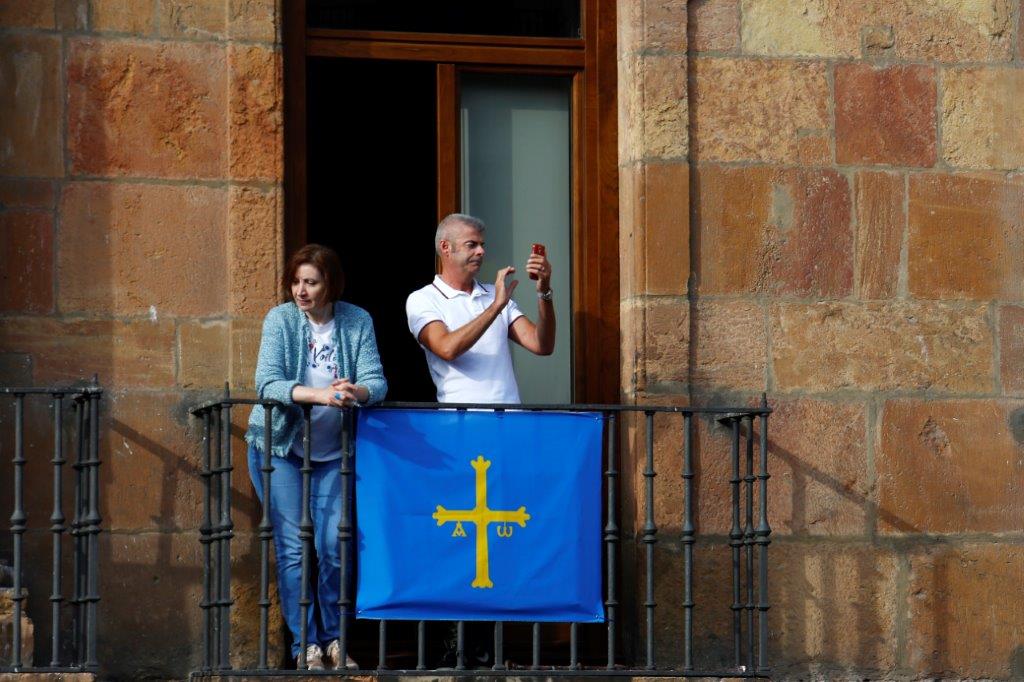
{"x": 51, "y": 390}
{"x": 726, "y": 412}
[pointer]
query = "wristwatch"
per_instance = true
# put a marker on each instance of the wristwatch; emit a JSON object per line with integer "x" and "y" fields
{"x": 546, "y": 295}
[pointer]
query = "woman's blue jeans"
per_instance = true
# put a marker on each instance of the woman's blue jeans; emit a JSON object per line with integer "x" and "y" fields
{"x": 285, "y": 515}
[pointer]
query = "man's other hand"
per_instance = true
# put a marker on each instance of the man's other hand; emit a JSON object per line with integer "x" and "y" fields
{"x": 538, "y": 265}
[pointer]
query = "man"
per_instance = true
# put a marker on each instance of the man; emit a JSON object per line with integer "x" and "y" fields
{"x": 464, "y": 326}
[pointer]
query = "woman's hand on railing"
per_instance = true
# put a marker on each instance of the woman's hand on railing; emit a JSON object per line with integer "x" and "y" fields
{"x": 328, "y": 395}
{"x": 351, "y": 394}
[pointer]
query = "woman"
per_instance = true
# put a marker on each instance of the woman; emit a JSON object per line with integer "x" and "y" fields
{"x": 316, "y": 350}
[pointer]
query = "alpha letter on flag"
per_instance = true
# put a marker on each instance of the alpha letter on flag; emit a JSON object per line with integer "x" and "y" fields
{"x": 479, "y": 515}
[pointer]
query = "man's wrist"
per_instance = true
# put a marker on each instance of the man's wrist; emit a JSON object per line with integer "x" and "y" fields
{"x": 545, "y": 295}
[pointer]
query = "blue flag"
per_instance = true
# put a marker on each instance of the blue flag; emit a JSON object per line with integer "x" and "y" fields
{"x": 479, "y": 515}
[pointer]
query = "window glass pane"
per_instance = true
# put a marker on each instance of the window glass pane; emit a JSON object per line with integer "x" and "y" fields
{"x": 527, "y": 18}
{"x": 516, "y": 134}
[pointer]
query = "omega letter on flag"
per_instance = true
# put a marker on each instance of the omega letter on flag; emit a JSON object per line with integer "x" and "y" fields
{"x": 479, "y": 515}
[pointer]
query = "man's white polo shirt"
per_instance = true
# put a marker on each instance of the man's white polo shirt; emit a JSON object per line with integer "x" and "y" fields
{"x": 483, "y": 374}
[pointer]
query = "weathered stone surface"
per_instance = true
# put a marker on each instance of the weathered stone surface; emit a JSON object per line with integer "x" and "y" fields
{"x": 255, "y": 20}
{"x": 147, "y": 109}
{"x": 72, "y": 15}
{"x": 1011, "y": 349}
{"x": 963, "y": 618}
{"x": 885, "y": 115}
{"x": 136, "y": 17}
{"x": 753, "y": 110}
{"x": 982, "y": 118}
{"x": 30, "y": 88}
{"x": 652, "y": 25}
{"x": 193, "y": 20}
{"x": 256, "y": 132}
{"x": 840, "y": 611}
{"x": 203, "y": 349}
{"x": 952, "y": 466}
{"x": 714, "y": 25}
{"x": 881, "y": 218}
{"x": 150, "y": 463}
{"x": 124, "y": 354}
{"x": 664, "y": 200}
{"x": 245, "y": 346}
{"x": 806, "y": 28}
{"x": 17, "y": 193}
{"x": 771, "y": 230}
{"x": 255, "y": 244}
{"x": 7, "y": 640}
{"x": 942, "y": 30}
{"x": 26, "y": 250}
{"x": 731, "y": 346}
{"x": 632, "y": 278}
{"x": 966, "y": 237}
{"x": 882, "y": 346}
{"x": 151, "y": 249}
{"x": 817, "y": 458}
{"x": 15, "y": 369}
{"x": 666, "y": 338}
{"x": 27, "y": 14}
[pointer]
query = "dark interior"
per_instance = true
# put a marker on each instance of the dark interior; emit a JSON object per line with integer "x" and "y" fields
{"x": 373, "y": 195}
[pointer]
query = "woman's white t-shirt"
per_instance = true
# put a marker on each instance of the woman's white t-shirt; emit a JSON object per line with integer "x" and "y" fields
{"x": 321, "y": 371}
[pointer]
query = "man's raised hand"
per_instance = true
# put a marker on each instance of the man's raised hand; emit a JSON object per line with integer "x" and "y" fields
{"x": 503, "y": 290}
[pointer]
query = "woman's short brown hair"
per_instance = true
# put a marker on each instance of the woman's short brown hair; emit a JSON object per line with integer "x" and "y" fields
{"x": 323, "y": 259}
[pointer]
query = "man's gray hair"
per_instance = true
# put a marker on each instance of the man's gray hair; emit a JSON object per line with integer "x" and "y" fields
{"x": 444, "y": 228}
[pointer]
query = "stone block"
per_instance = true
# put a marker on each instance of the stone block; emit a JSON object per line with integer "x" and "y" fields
{"x": 714, "y": 25}
{"x": 964, "y": 621}
{"x": 833, "y": 608}
{"x": 731, "y": 346}
{"x": 255, "y": 222}
{"x": 630, "y": 109}
{"x": 882, "y": 347}
{"x": 30, "y": 87}
{"x": 153, "y": 109}
{"x": 664, "y": 112}
{"x": 966, "y": 237}
{"x": 27, "y": 14}
{"x": 245, "y": 347}
{"x": 7, "y": 640}
{"x": 885, "y": 115}
{"x": 665, "y": 355}
{"x": 632, "y": 278}
{"x": 952, "y": 466}
{"x": 148, "y": 249}
{"x": 937, "y": 30}
{"x": 151, "y": 462}
{"x": 125, "y": 354}
{"x": 136, "y": 17}
{"x": 802, "y": 28}
{"x": 26, "y": 249}
{"x": 23, "y": 193}
{"x": 754, "y": 109}
{"x": 72, "y": 15}
{"x": 774, "y": 231}
{"x": 190, "y": 20}
{"x": 664, "y": 202}
{"x": 881, "y": 217}
{"x": 255, "y": 20}
{"x": 203, "y": 352}
{"x": 1011, "y": 349}
{"x": 664, "y": 25}
{"x": 982, "y": 118}
{"x": 257, "y": 120}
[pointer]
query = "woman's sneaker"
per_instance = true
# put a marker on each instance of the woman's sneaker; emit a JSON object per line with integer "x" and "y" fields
{"x": 314, "y": 658}
{"x": 334, "y": 653}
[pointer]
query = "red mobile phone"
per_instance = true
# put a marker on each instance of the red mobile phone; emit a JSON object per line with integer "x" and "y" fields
{"x": 537, "y": 249}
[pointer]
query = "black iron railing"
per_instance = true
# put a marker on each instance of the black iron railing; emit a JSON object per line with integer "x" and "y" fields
{"x": 83, "y": 434}
{"x": 750, "y": 615}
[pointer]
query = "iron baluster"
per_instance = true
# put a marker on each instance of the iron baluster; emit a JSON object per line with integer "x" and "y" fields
{"x": 205, "y": 539}
{"x": 748, "y": 537}
{"x": 649, "y": 537}
{"x": 611, "y": 536}
{"x": 763, "y": 540}
{"x": 736, "y": 542}
{"x": 687, "y": 540}
{"x": 345, "y": 533}
{"x": 227, "y": 532}
{"x": 57, "y": 528}
{"x": 306, "y": 536}
{"x": 266, "y": 533}
{"x": 19, "y": 522}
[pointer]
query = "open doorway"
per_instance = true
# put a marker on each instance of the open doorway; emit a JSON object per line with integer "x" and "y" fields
{"x": 372, "y": 193}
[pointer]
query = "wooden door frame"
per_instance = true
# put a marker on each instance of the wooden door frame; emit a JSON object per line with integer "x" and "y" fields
{"x": 595, "y": 233}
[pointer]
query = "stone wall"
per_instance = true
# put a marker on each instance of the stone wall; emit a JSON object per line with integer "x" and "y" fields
{"x": 819, "y": 199}
{"x": 854, "y": 247}
{"x": 140, "y": 218}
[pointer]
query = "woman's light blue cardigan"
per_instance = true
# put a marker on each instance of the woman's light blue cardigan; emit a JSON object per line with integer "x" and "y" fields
{"x": 282, "y": 364}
